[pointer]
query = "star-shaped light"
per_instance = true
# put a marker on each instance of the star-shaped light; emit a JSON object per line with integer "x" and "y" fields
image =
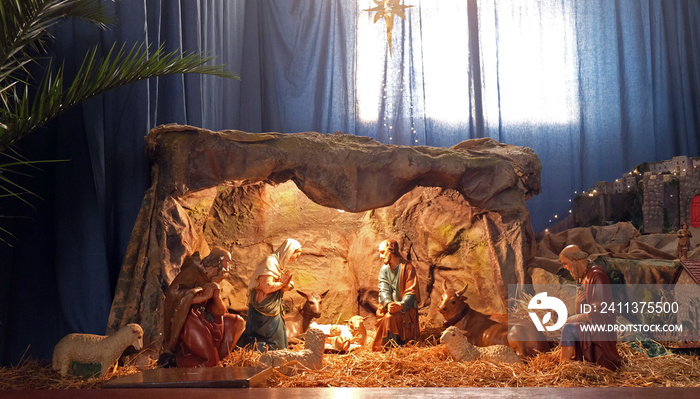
{"x": 387, "y": 9}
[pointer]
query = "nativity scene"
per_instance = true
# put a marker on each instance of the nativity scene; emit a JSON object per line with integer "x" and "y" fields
{"x": 389, "y": 234}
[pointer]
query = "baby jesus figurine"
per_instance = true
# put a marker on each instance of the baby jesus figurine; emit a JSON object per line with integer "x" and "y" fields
{"x": 338, "y": 342}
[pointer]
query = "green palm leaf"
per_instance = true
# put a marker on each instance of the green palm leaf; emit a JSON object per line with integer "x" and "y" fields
{"x": 94, "y": 77}
{"x": 24, "y": 31}
{"x": 27, "y": 103}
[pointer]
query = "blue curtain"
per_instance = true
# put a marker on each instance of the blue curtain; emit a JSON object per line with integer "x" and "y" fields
{"x": 60, "y": 274}
{"x": 594, "y": 87}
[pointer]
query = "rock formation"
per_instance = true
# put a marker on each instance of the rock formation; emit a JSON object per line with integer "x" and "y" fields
{"x": 459, "y": 215}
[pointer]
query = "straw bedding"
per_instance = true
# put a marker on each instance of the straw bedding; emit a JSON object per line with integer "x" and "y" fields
{"x": 426, "y": 364}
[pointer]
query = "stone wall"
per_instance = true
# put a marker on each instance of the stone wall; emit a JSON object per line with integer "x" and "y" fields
{"x": 653, "y": 203}
{"x": 668, "y": 191}
{"x": 601, "y": 208}
{"x": 689, "y": 187}
{"x": 671, "y": 210}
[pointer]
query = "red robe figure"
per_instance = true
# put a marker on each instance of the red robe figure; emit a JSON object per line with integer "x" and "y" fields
{"x": 576, "y": 344}
{"x": 198, "y": 328}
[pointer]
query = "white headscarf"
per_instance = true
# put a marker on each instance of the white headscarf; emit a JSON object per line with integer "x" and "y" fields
{"x": 275, "y": 263}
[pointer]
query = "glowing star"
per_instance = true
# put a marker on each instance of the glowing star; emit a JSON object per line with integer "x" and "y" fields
{"x": 387, "y": 9}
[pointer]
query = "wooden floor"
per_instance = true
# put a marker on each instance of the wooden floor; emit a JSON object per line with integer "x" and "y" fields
{"x": 357, "y": 393}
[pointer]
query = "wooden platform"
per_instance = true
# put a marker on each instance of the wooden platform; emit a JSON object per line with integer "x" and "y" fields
{"x": 208, "y": 377}
{"x": 356, "y": 393}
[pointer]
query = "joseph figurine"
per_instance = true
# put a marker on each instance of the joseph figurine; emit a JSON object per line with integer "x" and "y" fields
{"x": 399, "y": 295}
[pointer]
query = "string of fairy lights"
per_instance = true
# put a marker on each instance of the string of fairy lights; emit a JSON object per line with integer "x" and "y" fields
{"x": 389, "y": 110}
{"x": 387, "y": 10}
{"x": 592, "y": 192}
{"x": 555, "y": 218}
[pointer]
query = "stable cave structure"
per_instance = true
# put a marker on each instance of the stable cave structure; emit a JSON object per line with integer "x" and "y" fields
{"x": 458, "y": 214}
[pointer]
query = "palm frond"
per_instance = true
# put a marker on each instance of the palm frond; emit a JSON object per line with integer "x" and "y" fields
{"x": 25, "y": 23}
{"x": 97, "y": 76}
{"x": 10, "y": 168}
{"x": 8, "y": 233}
{"x": 25, "y": 105}
{"x": 25, "y": 28}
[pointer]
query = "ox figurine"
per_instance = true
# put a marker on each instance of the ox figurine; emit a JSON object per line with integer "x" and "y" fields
{"x": 486, "y": 330}
{"x": 298, "y": 321}
{"x": 356, "y": 325}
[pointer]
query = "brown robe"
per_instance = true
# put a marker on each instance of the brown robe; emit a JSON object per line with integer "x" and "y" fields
{"x": 683, "y": 243}
{"x": 200, "y": 335}
{"x": 404, "y": 324}
{"x": 596, "y": 347}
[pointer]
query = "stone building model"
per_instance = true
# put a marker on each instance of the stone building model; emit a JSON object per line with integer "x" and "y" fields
{"x": 669, "y": 193}
{"x": 670, "y": 196}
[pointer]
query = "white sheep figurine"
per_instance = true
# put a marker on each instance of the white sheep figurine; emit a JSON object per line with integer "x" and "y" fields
{"x": 462, "y": 350}
{"x": 310, "y": 357}
{"x": 91, "y": 348}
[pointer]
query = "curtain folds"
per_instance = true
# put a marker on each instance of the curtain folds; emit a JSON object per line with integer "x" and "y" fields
{"x": 594, "y": 87}
{"x": 60, "y": 275}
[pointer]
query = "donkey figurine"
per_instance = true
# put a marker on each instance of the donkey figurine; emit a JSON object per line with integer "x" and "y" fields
{"x": 298, "y": 321}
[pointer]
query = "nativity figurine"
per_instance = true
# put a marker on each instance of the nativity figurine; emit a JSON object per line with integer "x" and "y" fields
{"x": 198, "y": 329}
{"x": 593, "y": 288}
{"x": 104, "y": 350}
{"x": 684, "y": 236}
{"x": 265, "y": 328}
{"x": 399, "y": 296}
{"x": 298, "y": 321}
{"x": 489, "y": 329}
